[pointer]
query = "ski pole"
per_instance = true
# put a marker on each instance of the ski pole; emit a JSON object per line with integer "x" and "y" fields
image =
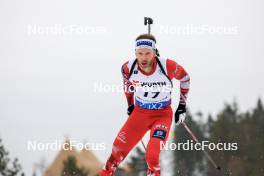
{"x": 143, "y": 145}
{"x": 197, "y": 141}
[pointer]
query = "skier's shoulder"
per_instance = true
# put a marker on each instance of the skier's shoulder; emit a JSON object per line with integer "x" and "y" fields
{"x": 168, "y": 63}
{"x": 129, "y": 64}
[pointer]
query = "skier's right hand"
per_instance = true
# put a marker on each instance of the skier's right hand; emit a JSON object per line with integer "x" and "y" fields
{"x": 130, "y": 109}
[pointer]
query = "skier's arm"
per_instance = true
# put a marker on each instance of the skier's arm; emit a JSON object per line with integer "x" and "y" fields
{"x": 127, "y": 85}
{"x": 177, "y": 71}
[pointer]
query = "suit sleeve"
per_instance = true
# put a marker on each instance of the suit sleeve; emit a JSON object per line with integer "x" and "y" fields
{"x": 127, "y": 85}
{"x": 176, "y": 71}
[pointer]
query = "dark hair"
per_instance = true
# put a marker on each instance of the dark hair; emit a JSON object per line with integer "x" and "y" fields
{"x": 146, "y": 36}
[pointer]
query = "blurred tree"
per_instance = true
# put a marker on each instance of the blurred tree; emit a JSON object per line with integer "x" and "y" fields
{"x": 224, "y": 130}
{"x": 6, "y": 168}
{"x": 245, "y": 129}
{"x": 232, "y": 128}
{"x": 188, "y": 162}
{"x": 71, "y": 169}
{"x": 138, "y": 163}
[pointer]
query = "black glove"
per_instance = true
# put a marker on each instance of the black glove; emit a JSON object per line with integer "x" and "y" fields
{"x": 180, "y": 114}
{"x": 130, "y": 109}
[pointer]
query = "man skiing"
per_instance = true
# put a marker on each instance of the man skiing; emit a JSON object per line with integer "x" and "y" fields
{"x": 147, "y": 86}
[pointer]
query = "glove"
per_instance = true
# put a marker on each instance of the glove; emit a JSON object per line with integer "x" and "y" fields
{"x": 180, "y": 114}
{"x": 130, "y": 109}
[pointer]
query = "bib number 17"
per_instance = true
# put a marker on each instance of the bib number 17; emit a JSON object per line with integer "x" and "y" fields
{"x": 155, "y": 94}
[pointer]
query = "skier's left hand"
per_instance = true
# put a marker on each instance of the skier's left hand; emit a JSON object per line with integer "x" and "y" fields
{"x": 130, "y": 109}
{"x": 180, "y": 114}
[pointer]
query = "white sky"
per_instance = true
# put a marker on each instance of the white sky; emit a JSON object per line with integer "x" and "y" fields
{"x": 46, "y": 88}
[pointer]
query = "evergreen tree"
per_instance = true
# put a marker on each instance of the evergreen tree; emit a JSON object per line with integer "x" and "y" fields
{"x": 138, "y": 163}
{"x": 8, "y": 167}
{"x": 245, "y": 129}
{"x": 229, "y": 126}
{"x": 224, "y": 130}
{"x": 188, "y": 162}
{"x": 71, "y": 169}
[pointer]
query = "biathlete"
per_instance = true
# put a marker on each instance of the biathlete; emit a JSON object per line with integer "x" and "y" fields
{"x": 148, "y": 86}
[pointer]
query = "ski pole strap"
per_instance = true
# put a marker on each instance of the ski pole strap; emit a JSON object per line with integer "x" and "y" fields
{"x": 163, "y": 70}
